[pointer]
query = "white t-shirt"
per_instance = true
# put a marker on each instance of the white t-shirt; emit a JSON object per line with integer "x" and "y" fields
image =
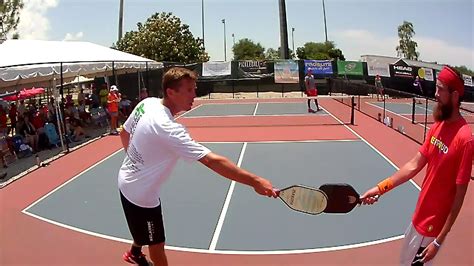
{"x": 156, "y": 143}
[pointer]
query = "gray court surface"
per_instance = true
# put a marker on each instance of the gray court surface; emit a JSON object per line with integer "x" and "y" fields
{"x": 404, "y": 108}
{"x": 222, "y": 110}
{"x": 286, "y": 108}
{"x": 207, "y": 110}
{"x": 194, "y": 196}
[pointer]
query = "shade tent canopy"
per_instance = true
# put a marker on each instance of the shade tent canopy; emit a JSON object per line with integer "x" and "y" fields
{"x": 24, "y": 62}
{"x": 24, "y": 94}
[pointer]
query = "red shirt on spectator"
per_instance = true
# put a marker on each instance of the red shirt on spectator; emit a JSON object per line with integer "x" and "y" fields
{"x": 37, "y": 121}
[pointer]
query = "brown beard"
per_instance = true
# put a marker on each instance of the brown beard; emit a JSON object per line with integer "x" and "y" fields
{"x": 442, "y": 112}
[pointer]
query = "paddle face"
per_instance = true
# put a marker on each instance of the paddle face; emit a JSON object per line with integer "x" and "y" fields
{"x": 304, "y": 199}
{"x": 342, "y": 198}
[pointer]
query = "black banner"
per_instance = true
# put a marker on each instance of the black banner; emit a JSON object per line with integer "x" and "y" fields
{"x": 402, "y": 71}
{"x": 253, "y": 67}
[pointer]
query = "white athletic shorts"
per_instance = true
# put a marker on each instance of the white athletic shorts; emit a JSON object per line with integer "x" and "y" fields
{"x": 414, "y": 244}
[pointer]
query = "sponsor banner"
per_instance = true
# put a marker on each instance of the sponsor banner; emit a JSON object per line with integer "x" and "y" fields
{"x": 375, "y": 68}
{"x": 286, "y": 71}
{"x": 350, "y": 68}
{"x": 253, "y": 67}
{"x": 318, "y": 67}
{"x": 401, "y": 71}
{"x": 210, "y": 69}
{"x": 426, "y": 73}
{"x": 467, "y": 80}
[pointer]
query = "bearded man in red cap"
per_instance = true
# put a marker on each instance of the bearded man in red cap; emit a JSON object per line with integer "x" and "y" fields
{"x": 448, "y": 153}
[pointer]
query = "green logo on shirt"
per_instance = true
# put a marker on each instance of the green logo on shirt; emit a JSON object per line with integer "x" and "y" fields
{"x": 140, "y": 109}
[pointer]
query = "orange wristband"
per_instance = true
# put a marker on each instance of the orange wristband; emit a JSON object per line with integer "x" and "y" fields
{"x": 385, "y": 186}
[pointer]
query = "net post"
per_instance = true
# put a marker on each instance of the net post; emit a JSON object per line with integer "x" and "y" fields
{"x": 383, "y": 109}
{"x": 413, "y": 111}
{"x": 282, "y": 89}
{"x": 233, "y": 89}
{"x": 358, "y": 99}
{"x": 352, "y": 110}
{"x": 258, "y": 87}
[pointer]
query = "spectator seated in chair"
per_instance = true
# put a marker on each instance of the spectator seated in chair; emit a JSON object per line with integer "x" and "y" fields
{"x": 75, "y": 130}
{"x": 29, "y": 133}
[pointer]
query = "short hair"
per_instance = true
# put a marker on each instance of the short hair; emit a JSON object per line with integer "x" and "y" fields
{"x": 173, "y": 77}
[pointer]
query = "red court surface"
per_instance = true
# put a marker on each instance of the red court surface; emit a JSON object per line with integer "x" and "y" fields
{"x": 28, "y": 241}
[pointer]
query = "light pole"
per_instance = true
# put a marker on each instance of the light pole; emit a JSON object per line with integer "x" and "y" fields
{"x": 233, "y": 39}
{"x": 325, "y": 27}
{"x": 293, "y": 39}
{"x": 202, "y": 23}
{"x": 283, "y": 31}
{"x": 225, "y": 48}
{"x": 120, "y": 29}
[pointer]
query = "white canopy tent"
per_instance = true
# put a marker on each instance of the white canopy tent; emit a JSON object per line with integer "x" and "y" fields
{"x": 28, "y": 63}
{"x": 33, "y": 62}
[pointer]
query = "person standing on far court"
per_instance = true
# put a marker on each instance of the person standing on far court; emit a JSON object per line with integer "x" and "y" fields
{"x": 311, "y": 90}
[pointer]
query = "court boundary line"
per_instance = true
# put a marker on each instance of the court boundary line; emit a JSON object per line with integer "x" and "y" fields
{"x": 284, "y": 141}
{"x": 255, "y": 110}
{"x": 268, "y": 100}
{"x": 236, "y": 103}
{"x": 192, "y": 109}
{"x": 70, "y": 180}
{"x": 222, "y": 252}
{"x": 375, "y": 149}
{"x": 225, "y": 208}
{"x": 209, "y": 251}
{"x": 256, "y": 115}
{"x": 400, "y": 115}
{"x": 210, "y": 142}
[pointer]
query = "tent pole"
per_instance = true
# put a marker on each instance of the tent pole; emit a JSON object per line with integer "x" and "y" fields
{"x": 139, "y": 89}
{"x": 147, "y": 85}
{"x": 56, "y": 109}
{"x": 63, "y": 124}
{"x": 113, "y": 73}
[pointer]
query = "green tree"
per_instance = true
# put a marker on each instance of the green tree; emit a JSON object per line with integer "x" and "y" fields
{"x": 319, "y": 51}
{"x": 464, "y": 70}
{"x": 10, "y": 14}
{"x": 272, "y": 54}
{"x": 164, "y": 38}
{"x": 246, "y": 49}
{"x": 407, "y": 47}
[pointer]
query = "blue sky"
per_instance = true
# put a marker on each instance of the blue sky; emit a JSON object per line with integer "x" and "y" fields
{"x": 444, "y": 29}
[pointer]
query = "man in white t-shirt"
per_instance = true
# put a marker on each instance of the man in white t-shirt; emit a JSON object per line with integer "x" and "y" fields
{"x": 154, "y": 142}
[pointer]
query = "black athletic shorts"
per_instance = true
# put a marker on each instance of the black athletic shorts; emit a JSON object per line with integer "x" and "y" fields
{"x": 145, "y": 224}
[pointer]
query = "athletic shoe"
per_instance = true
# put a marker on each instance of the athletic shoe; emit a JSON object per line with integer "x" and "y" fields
{"x": 139, "y": 260}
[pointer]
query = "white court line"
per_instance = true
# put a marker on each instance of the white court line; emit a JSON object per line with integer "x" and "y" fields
{"x": 213, "y": 251}
{"x": 70, "y": 180}
{"x": 232, "y": 103}
{"x": 375, "y": 149}
{"x": 192, "y": 109}
{"x": 374, "y": 105}
{"x": 281, "y": 115}
{"x": 209, "y": 142}
{"x": 220, "y": 223}
{"x": 283, "y": 141}
{"x": 223, "y": 252}
{"x": 255, "y": 111}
